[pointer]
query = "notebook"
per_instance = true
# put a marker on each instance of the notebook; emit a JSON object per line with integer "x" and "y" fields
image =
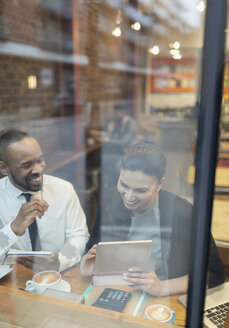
{"x": 4, "y": 270}
{"x": 216, "y": 306}
{"x": 12, "y": 255}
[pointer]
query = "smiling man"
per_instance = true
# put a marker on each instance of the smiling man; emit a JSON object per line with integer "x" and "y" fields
{"x": 37, "y": 211}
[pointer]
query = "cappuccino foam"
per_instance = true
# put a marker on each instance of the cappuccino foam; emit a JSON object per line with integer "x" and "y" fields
{"x": 46, "y": 278}
{"x": 159, "y": 313}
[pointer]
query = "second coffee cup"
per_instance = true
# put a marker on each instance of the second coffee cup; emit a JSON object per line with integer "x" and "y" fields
{"x": 159, "y": 313}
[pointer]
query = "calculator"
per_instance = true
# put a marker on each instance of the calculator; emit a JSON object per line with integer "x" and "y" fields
{"x": 112, "y": 299}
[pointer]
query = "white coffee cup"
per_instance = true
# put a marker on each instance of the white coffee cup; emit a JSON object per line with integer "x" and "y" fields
{"x": 43, "y": 280}
{"x": 159, "y": 313}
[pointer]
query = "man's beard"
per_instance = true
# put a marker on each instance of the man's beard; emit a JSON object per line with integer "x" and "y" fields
{"x": 27, "y": 185}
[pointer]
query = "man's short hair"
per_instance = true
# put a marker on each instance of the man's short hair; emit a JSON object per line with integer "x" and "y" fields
{"x": 8, "y": 137}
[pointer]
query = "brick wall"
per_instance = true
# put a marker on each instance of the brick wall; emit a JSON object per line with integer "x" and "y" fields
{"x": 44, "y": 31}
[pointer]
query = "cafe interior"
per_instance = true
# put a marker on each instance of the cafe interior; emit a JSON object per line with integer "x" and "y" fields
{"x": 65, "y": 68}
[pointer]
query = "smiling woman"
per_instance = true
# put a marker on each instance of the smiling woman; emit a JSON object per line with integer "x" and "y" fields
{"x": 138, "y": 190}
{"x": 141, "y": 177}
{"x": 140, "y": 210}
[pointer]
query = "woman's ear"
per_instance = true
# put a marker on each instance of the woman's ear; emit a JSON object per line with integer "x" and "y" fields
{"x": 3, "y": 169}
{"x": 160, "y": 184}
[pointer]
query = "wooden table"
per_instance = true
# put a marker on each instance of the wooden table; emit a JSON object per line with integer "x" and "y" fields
{"x": 23, "y": 309}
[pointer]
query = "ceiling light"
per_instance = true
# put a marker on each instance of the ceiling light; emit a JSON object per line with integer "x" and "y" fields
{"x": 117, "y": 32}
{"x": 154, "y": 50}
{"x": 136, "y": 26}
{"x": 118, "y": 19}
{"x": 176, "y": 45}
{"x": 174, "y": 51}
{"x": 178, "y": 56}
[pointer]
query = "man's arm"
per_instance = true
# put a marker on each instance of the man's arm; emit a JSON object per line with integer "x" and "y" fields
{"x": 7, "y": 239}
{"x": 76, "y": 232}
{"x": 28, "y": 212}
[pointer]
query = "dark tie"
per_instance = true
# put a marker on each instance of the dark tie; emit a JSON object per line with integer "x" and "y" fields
{"x": 33, "y": 231}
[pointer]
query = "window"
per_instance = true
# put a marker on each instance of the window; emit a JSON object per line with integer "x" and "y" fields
{"x": 111, "y": 93}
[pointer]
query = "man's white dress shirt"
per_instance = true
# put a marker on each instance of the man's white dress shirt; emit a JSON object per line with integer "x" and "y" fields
{"x": 62, "y": 229}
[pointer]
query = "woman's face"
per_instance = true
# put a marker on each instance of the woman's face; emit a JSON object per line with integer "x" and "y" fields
{"x": 138, "y": 190}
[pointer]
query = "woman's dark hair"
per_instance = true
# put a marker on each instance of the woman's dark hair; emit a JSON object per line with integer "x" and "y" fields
{"x": 8, "y": 137}
{"x": 145, "y": 157}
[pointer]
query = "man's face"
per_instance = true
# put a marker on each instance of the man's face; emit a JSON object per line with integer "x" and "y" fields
{"x": 25, "y": 164}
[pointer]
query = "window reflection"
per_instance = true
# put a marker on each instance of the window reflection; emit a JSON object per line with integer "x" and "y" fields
{"x": 88, "y": 79}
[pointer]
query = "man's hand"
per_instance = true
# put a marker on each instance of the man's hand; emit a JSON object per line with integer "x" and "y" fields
{"x": 38, "y": 264}
{"x": 27, "y": 215}
{"x": 88, "y": 262}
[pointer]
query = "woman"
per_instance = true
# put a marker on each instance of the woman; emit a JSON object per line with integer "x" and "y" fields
{"x": 138, "y": 210}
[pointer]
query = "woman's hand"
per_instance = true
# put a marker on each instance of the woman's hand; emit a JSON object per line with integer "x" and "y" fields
{"x": 146, "y": 281}
{"x": 88, "y": 262}
{"x": 153, "y": 285}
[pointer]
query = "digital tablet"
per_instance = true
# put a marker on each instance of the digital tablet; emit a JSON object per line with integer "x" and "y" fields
{"x": 117, "y": 257}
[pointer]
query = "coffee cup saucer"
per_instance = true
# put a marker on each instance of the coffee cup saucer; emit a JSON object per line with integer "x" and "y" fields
{"x": 63, "y": 285}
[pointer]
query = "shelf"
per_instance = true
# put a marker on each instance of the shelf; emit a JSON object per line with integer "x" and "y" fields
{"x": 173, "y": 90}
{"x": 170, "y": 76}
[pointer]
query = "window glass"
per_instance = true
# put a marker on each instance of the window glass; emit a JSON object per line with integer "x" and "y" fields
{"x": 108, "y": 92}
{"x": 219, "y": 227}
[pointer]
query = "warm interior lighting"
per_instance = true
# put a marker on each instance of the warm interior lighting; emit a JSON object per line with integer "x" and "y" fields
{"x": 32, "y": 81}
{"x": 117, "y": 32}
{"x": 176, "y": 45}
{"x": 136, "y": 26}
{"x": 174, "y": 52}
{"x": 200, "y": 7}
{"x": 154, "y": 50}
{"x": 177, "y": 56}
{"x": 118, "y": 17}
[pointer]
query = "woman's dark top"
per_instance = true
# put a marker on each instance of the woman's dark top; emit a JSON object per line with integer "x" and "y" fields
{"x": 114, "y": 221}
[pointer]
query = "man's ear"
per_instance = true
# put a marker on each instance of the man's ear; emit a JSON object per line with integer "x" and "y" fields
{"x": 3, "y": 169}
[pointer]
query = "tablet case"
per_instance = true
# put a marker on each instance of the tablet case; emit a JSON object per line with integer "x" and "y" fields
{"x": 115, "y": 258}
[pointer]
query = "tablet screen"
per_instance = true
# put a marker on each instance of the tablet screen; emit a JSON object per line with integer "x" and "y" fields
{"x": 117, "y": 257}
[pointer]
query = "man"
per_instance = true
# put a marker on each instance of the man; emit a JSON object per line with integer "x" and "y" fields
{"x": 28, "y": 198}
{"x": 122, "y": 133}
{"x": 125, "y": 129}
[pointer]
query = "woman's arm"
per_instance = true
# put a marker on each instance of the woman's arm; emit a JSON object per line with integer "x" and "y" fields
{"x": 153, "y": 285}
{"x": 216, "y": 268}
{"x": 88, "y": 262}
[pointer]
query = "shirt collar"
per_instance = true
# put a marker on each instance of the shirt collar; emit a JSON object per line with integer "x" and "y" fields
{"x": 14, "y": 190}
